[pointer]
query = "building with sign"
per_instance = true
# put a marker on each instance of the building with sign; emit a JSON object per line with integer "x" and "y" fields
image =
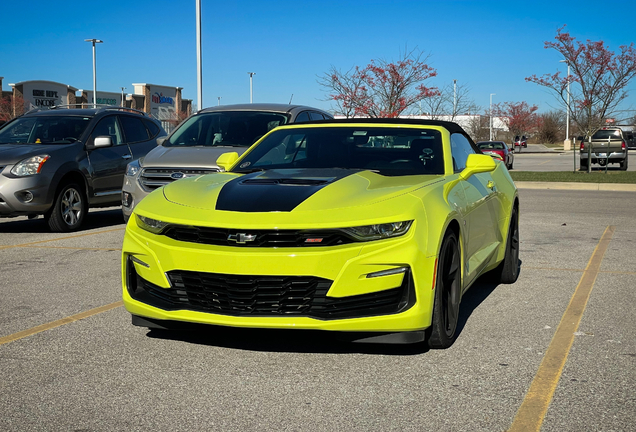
{"x": 161, "y": 102}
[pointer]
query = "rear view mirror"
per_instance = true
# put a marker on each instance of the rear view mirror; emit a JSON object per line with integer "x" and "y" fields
{"x": 102, "y": 141}
{"x": 226, "y": 160}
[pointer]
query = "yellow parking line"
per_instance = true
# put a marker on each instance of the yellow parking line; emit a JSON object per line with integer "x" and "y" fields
{"x": 535, "y": 405}
{"x": 60, "y": 322}
{"x": 542, "y": 163}
{"x": 60, "y": 238}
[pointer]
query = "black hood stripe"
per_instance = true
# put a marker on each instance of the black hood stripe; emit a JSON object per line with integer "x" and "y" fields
{"x": 276, "y": 190}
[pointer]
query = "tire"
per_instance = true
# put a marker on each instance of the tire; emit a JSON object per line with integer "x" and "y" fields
{"x": 510, "y": 166}
{"x": 442, "y": 333}
{"x": 508, "y": 270}
{"x": 583, "y": 166}
{"x": 624, "y": 165}
{"x": 69, "y": 210}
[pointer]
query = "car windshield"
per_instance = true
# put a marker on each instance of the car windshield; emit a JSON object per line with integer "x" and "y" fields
{"x": 607, "y": 133}
{"x": 44, "y": 130}
{"x": 491, "y": 145}
{"x": 233, "y": 129}
{"x": 388, "y": 151}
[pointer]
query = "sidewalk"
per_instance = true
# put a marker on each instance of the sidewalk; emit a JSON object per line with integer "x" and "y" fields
{"x": 616, "y": 187}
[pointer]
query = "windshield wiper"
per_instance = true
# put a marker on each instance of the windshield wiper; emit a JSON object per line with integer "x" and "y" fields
{"x": 248, "y": 170}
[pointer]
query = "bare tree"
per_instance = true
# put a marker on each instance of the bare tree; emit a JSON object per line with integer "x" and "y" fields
{"x": 380, "y": 89}
{"x": 11, "y": 107}
{"x": 450, "y": 102}
{"x": 550, "y": 127}
{"x": 597, "y": 82}
{"x": 478, "y": 127}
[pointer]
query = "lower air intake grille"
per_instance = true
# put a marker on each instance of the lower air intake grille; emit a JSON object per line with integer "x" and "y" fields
{"x": 243, "y": 295}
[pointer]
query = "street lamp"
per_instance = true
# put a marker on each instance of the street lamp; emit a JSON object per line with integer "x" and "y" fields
{"x": 251, "y": 74}
{"x": 219, "y": 97}
{"x": 94, "y": 41}
{"x": 491, "y": 95}
{"x": 199, "y": 68}
{"x": 122, "y": 96}
{"x": 454, "y": 99}
{"x": 567, "y": 113}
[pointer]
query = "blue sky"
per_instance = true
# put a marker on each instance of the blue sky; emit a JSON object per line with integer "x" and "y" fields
{"x": 490, "y": 46}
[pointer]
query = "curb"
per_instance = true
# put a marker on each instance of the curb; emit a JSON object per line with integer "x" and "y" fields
{"x": 614, "y": 187}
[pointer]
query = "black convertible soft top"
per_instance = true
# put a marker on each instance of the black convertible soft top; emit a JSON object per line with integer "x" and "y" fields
{"x": 450, "y": 126}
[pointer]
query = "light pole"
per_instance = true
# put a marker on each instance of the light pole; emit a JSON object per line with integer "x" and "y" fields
{"x": 219, "y": 97}
{"x": 454, "y": 99}
{"x": 491, "y": 95}
{"x": 251, "y": 74}
{"x": 94, "y": 41}
{"x": 122, "y": 96}
{"x": 567, "y": 112}
{"x": 199, "y": 70}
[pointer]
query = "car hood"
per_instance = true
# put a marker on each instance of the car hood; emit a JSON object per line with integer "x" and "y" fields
{"x": 291, "y": 190}
{"x": 14, "y": 153}
{"x": 187, "y": 157}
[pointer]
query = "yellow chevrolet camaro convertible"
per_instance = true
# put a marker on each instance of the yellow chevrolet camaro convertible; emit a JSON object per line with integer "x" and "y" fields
{"x": 373, "y": 228}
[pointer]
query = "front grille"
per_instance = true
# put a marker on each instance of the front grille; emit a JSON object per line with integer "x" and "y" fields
{"x": 247, "y": 295}
{"x": 264, "y": 238}
{"x": 153, "y": 178}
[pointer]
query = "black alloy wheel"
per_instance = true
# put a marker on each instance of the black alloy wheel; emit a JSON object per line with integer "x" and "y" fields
{"x": 447, "y": 294}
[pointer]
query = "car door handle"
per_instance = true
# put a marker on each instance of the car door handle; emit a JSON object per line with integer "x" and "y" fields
{"x": 126, "y": 156}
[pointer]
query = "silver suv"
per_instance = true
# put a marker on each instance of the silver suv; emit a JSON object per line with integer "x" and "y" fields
{"x": 60, "y": 162}
{"x": 193, "y": 148}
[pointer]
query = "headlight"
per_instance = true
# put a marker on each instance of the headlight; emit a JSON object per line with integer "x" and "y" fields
{"x": 379, "y": 231}
{"x": 30, "y": 166}
{"x": 152, "y": 225}
{"x": 133, "y": 168}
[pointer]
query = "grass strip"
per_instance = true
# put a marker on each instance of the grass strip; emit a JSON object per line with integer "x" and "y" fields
{"x": 580, "y": 177}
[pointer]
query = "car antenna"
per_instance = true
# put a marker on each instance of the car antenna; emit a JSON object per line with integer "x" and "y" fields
{"x": 290, "y": 99}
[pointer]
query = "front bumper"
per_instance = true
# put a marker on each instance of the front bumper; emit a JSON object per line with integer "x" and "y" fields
{"x": 340, "y": 271}
{"x": 23, "y": 195}
{"x": 131, "y": 194}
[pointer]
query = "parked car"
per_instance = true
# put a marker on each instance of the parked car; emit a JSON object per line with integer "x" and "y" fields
{"x": 192, "y": 149}
{"x": 607, "y": 146}
{"x": 355, "y": 226}
{"x": 520, "y": 142}
{"x": 630, "y": 139}
{"x": 60, "y": 162}
{"x": 499, "y": 148}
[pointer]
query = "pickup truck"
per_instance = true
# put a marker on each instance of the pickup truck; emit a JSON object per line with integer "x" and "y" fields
{"x": 607, "y": 146}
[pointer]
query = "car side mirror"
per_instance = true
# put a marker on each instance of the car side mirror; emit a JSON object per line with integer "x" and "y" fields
{"x": 161, "y": 140}
{"x": 102, "y": 141}
{"x": 226, "y": 160}
{"x": 477, "y": 163}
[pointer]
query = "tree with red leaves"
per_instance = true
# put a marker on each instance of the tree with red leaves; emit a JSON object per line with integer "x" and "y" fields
{"x": 380, "y": 89}
{"x": 597, "y": 81}
{"x": 11, "y": 107}
{"x": 519, "y": 117}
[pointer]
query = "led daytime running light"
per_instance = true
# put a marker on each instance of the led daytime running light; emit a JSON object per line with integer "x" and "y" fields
{"x": 152, "y": 225}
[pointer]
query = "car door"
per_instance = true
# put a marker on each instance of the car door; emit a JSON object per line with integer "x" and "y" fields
{"x": 481, "y": 211}
{"x": 137, "y": 136}
{"x": 108, "y": 164}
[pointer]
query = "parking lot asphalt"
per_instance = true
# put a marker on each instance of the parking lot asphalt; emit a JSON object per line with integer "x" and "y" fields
{"x": 69, "y": 365}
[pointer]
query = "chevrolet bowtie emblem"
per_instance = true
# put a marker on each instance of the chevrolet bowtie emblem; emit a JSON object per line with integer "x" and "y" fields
{"x": 241, "y": 238}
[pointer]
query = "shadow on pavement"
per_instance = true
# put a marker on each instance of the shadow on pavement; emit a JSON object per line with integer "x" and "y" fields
{"x": 100, "y": 218}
